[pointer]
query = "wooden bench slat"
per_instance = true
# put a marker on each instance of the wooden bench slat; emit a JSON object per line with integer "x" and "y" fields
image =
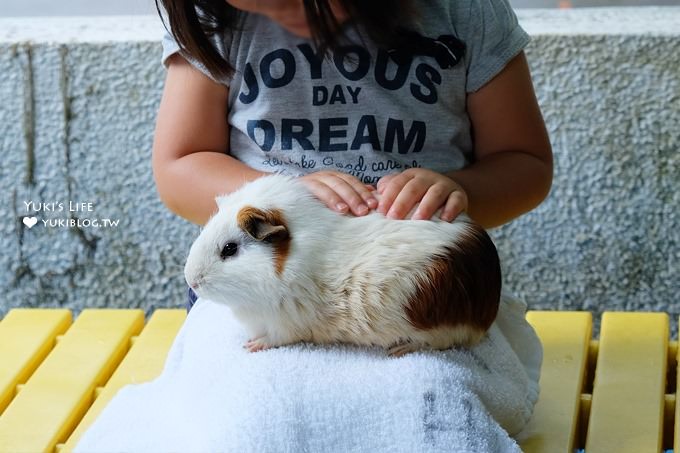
{"x": 144, "y": 362}
{"x": 59, "y": 392}
{"x": 26, "y": 337}
{"x": 565, "y": 337}
{"x": 628, "y": 392}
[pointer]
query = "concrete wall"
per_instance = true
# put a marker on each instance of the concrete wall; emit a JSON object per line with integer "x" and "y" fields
{"x": 77, "y": 104}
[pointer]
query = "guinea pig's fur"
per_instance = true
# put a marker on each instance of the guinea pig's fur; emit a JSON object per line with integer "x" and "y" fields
{"x": 302, "y": 272}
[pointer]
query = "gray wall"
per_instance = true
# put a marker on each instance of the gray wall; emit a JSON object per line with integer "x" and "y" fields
{"x": 77, "y": 104}
{"x": 13, "y": 8}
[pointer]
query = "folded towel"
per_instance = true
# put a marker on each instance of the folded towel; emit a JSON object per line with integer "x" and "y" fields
{"x": 214, "y": 396}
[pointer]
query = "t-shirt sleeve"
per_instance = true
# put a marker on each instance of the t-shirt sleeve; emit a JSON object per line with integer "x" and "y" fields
{"x": 171, "y": 47}
{"x": 493, "y": 37}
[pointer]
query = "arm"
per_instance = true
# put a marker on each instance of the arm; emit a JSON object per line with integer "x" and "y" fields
{"x": 512, "y": 172}
{"x": 189, "y": 163}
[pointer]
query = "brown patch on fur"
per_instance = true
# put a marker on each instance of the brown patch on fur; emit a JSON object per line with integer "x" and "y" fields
{"x": 463, "y": 287}
{"x": 267, "y": 226}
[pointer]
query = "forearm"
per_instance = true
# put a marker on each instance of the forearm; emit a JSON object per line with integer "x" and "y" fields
{"x": 503, "y": 186}
{"x": 188, "y": 185}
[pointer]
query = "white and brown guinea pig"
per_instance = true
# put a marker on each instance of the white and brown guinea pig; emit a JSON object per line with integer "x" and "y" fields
{"x": 293, "y": 270}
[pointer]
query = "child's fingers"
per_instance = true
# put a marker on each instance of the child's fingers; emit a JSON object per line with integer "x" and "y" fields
{"x": 327, "y": 195}
{"x": 362, "y": 190}
{"x": 370, "y": 198}
{"x": 347, "y": 194}
{"x": 389, "y": 191}
{"x": 353, "y": 192}
{"x": 382, "y": 182}
{"x": 341, "y": 192}
{"x": 411, "y": 193}
{"x": 456, "y": 203}
{"x": 435, "y": 197}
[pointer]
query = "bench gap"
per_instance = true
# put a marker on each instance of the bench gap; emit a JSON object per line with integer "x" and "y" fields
{"x": 670, "y": 398}
{"x": 586, "y": 396}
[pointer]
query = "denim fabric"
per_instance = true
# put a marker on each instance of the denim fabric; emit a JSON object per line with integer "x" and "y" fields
{"x": 191, "y": 298}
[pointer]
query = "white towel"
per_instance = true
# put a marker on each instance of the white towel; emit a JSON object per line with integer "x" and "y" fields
{"x": 214, "y": 396}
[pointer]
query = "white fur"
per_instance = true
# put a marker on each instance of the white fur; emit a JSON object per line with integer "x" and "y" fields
{"x": 346, "y": 278}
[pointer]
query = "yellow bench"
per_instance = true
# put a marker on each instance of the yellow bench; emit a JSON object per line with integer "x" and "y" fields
{"x": 612, "y": 395}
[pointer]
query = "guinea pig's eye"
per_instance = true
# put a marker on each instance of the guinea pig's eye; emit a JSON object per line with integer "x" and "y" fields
{"x": 229, "y": 249}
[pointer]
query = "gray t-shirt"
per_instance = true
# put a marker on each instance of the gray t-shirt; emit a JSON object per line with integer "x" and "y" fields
{"x": 295, "y": 112}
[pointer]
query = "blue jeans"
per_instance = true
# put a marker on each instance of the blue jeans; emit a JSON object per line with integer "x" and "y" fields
{"x": 191, "y": 298}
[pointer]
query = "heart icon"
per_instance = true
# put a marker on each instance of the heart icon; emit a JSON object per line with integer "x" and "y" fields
{"x": 30, "y": 221}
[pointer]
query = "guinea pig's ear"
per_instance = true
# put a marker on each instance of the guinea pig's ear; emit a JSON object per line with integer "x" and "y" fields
{"x": 261, "y": 225}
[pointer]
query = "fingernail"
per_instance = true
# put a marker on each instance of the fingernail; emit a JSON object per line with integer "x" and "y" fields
{"x": 341, "y": 207}
{"x": 392, "y": 214}
{"x": 372, "y": 203}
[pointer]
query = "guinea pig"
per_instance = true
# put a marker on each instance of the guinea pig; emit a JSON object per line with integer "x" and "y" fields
{"x": 292, "y": 270}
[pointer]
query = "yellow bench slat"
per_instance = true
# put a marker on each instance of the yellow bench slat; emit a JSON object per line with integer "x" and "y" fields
{"x": 565, "y": 337}
{"x": 628, "y": 392}
{"x": 26, "y": 337}
{"x": 61, "y": 389}
{"x": 143, "y": 363}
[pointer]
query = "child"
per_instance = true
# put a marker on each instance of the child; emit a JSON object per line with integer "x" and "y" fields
{"x": 257, "y": 96}
{"x": 430, "y": 102}
{"x": 284, "y": 97}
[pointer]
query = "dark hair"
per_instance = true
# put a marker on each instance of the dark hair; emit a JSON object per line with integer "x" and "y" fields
{"x": 193, "y": 22}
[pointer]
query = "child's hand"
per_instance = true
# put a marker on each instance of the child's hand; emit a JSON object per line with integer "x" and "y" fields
{"x": 402, "y": 191}
{"x": 341, "y": 192}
